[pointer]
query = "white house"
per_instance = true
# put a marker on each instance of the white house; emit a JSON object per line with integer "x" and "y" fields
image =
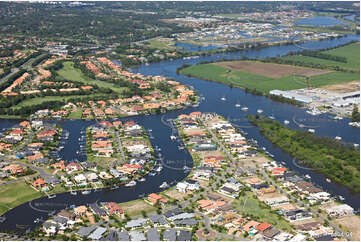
{"x": 80, "y": 179}
{"x": 340, "y": 210}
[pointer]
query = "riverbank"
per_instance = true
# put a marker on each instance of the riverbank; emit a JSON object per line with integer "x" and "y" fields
{"x": 334, "y": 159}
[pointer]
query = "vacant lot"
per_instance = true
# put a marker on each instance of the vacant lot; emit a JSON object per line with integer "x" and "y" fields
{"x": 351, "y": 224}
{"x": 134, "y": 208}
{"x": 351, "y": 52}
{"x": 269, "y": 69}
{"x": 13, "y": 195}
{"x": 343, "y": 87}
{"x": 243, "y": 79}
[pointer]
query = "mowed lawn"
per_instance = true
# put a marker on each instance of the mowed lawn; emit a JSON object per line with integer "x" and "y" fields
{"x": 249, "y": 206}
{"x": 351, "y": 52}
{"x": 68, "y": 72}
{"x": 15, "y": 194}
{"x": 214, "y": 72}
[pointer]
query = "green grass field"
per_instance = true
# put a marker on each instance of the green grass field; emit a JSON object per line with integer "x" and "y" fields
{"x": 351, "y": 52}
{"x": 68, "y": 72}
{"x": 213, "y": 72}
{"x": 13, "y": 195}
{"x": 260, "y": 212}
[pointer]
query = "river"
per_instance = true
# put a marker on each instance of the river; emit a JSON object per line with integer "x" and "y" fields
{"x": 175, "y": 159}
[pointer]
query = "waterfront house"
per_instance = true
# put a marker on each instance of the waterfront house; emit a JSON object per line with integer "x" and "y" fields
{"x": 340, "y": 211}
{"x": 80, "y": 179}
{"x": 97, "y": 210}
{"x": 113, "y": 208}
{"x": 80, "y": 210}
{"x": 50, "y": 228}
{"x": 73, "y": 167}
{"x": 156, "y": 199}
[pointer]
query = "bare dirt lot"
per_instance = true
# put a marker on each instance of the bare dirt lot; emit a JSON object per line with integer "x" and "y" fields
{"x": 343, "y": 87}
{"x": 352, "y": 224}
{"x": 269, "y": 69}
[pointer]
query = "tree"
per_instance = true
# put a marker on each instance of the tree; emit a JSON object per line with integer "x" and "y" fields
{"x": 355, "y": 114}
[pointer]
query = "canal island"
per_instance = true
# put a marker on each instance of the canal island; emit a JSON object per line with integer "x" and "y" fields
{"x": 171, "y": 121}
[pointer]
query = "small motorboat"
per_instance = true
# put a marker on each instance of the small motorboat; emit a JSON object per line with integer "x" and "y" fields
{"x": 286, "y": 122}
{"x": 341, "y": 198}
{"x": 308, "y": 176}
{"x": 73, "y": 193}
{"x": 223, "y": 99}
{"x": 172, "y": 137}
{"x": 159, "y": 168}
{"x": 131, "y": 184}
{"x": 328, "y": 180}
{"x": 259, "y": 111}
{"x": 86, "y": 192}
{"x": 338, "y": 138}
{"x": 152, "y": 173}
{"x": 164, "y": 185}
{"x": 237, "y": 105}
{"x": 311, "y": 131}
{"x": 244, "y": 108}
{"x": 142, "y": 179}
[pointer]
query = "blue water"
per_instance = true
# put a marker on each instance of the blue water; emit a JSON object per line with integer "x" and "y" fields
{"x": 191, "y": 47}
{"x": 320, "y": 21}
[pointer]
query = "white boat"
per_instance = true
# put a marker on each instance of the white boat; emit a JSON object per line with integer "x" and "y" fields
{"x": 223, "y": 99}
{"x": 237, "y": 105}
{"x": 86, "y": 192}
{"x": 338, "y": 138}
{"x": 172, "y": 137}
{"x": 159, "y": 168}
{"x": 186, "y": 168}
{"x": 328, "y": 180}
{"x": 131, "y": 184}
{"x": 311, "y": 131}
{"x": 259, "y": 111}
{"x": 244, "y": 108}
{"x": 338, "y": 117}
{"x": 271, "y": 117}
{"x": 341, "y": 198}
{"x": 152, "y": 173}
{"x": 308, "y": 176}
{"x": 286, "y": 122}
{"x": 164, "y": 185}
{"x": 142, "y": 179}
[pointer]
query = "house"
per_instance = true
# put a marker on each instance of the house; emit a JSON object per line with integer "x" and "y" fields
{"x": 184, "y": 235}
{"x": 156, "y": 199}
{"x": 97, "y": 234}
{"x": 80, "y": 210}
{"x": 270, "y": 233}
{"x": 250, "y": 227}
{"x": 85, "y": 231}
{"x": 52, "y": 180}
{"x": 73, "y": 167}
{"x": 91, "y": 177}
{"x": 170, "y": 235}
{"x": 158, "y": 219}
{"x": 136, "y": 223}
{"x": 186, "y": 222}
{"x": 66, "y": 214}
{"x": 50, "y": 228}
{"x": 188, "y": 185}
{"x": 39, "y": 183}
{"x": 123, "y": 236}
{"x": 340, "y": 210}
{"x": 137, "y": 236}
{"x": 113, "y": 208}
{"x": 97, "y": 210}
{"x": 153, "y": 235}
{"x": 298, "y": 214}
{"x": 80, "y": 179}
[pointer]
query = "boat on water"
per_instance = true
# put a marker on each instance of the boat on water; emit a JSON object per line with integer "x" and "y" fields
{"x": 338, "y": 118}
{"x": 164, "y": 185}
{"x": 73, "y": 193}
{"x": 159, "y": 168}
{"x": 307, "y": 176}
{"x": 341, "y": 198}
{"x": 328, "y": 180}
{"x": 172, "y": 137}
{"x": 271, "y": 117}
{"x": 311, "y": 131}
{"x": 259, "y": 111}
{"x": 131, "y": 184}
{"x": 237, "y": 105}
{"x": 338, "y": 138}
{"x": 286, "y": 122}
{"x": 186, "y": 168}
{"x": 152, "y": 173}
{"x": 244, "y": 108}
{"x": 86, "y": 192}
{"x": 223, "y": 99}
{"x": 2, "y": 219}
{"x": 142, "y": 179}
